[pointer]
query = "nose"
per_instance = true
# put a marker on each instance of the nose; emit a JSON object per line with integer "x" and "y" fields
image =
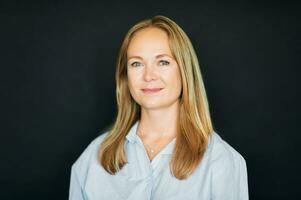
{"x": 149, "y": 73}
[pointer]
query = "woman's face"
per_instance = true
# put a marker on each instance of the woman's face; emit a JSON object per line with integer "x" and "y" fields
{"x": 153, "y": 74}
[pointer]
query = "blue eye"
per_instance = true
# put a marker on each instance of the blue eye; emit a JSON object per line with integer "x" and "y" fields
{"x": 164, "y": 62}
{"x": 134, "y": 64}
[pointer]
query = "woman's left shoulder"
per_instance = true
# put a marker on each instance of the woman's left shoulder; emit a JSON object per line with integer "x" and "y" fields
{"x": 222, "y": 152}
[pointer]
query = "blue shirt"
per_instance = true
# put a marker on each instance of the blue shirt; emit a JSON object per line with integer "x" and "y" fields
{"x": 221, "y": 175}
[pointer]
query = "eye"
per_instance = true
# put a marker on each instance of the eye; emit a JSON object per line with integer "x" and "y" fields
{"x": 136, "y": 64}
{"x": 164, "y": 62}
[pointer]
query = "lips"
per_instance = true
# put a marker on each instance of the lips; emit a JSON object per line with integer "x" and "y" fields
{"x": 151, "y": 90}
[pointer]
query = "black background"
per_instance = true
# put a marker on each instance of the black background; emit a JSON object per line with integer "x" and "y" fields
{"x": 57, "y": 73}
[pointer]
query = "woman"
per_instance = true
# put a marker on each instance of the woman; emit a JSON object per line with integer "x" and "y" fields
{"x": 162, "y": 144}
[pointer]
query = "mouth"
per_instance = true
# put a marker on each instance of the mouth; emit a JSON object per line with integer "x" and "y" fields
{"x": 151, "y": 90}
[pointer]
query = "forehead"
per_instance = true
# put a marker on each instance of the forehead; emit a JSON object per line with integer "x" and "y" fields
{"x": 149, "y": 41}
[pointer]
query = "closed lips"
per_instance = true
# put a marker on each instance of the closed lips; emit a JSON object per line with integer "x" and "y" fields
{"x": 151, "y": 89}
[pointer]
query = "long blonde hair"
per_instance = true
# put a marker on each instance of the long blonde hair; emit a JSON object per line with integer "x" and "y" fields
{"x": 194, "y": 127}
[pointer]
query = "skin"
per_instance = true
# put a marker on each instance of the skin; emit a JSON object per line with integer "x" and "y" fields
{"x": 151, "y": 65}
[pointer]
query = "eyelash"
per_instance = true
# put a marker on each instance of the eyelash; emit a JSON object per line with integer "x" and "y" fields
{"x": 165, "y": 61}
{"x": 133, "y": 64}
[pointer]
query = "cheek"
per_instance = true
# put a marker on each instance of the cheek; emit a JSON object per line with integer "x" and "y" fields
{"x": 131, "y": 77}
{"x": 178, "y": 85}
{"x": 132, "y": 83}
{"x": 176, "y": 80}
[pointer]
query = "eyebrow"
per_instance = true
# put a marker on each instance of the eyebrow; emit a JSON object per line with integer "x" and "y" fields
{"x": 158, "y": 56}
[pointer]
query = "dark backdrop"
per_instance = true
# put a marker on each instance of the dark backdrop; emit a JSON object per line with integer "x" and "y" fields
{"x": 57, "y": 78}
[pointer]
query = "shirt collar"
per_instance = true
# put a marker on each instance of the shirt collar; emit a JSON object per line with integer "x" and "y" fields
{"x": 169, "y": 148}
{"x": 133, "y": 138}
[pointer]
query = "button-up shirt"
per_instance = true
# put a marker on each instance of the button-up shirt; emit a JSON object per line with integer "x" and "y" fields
{"x": 221, "y": 174}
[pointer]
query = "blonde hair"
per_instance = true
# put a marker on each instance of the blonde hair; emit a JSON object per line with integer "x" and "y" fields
{"x": 194, "y": 127}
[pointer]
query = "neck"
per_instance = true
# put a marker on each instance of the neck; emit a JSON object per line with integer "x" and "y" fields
{"x": 158, "y": 123}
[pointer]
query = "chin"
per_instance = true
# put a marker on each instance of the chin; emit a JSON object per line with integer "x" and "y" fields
{"x": 150, "y": 106}
{"x": 154, "y": 105}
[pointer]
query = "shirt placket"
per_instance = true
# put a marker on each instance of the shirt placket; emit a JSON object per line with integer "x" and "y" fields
{"x": 152, "y": 166}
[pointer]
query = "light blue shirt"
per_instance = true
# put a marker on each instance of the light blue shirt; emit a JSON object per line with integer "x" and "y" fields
{"x": 221, "y": 175}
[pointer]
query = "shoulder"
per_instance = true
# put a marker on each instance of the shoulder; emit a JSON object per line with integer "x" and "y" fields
{"x": 228, "y": 170}
{"x": 226, "y": 163}
{"x": 88, "y": 156}
{"x": 221, "y": 152}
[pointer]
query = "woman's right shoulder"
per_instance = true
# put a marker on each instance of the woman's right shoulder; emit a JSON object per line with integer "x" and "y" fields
{"x": 89, "y": 154}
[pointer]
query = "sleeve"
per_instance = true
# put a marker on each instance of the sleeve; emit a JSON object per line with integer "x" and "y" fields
{"x": 229, "y": 178}
{"x": 75, "y": 189}
{"x": 79, "y": 172}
